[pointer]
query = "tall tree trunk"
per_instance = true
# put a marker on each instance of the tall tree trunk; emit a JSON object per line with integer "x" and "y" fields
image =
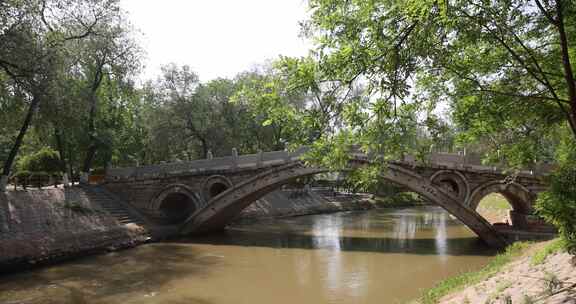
{"x": 71, "y": 161}
{"x": 91, "y": 130}
{"x": 568, "y": 73}
{"x": 92, "y": 148}
{"x": 60, "y": 147}
{"x": 18, "y": 143}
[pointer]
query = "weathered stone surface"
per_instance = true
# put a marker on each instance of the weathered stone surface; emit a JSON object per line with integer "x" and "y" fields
{"x": 222, "y": 187}
{"x": 49, "y": 224}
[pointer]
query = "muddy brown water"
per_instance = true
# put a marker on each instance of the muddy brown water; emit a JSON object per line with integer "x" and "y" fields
{"x": 377, "y": 256}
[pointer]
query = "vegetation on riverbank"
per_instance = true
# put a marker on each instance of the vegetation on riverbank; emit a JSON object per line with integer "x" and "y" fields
{"x": 552, "y": 247}
{"x": 505, "y": 277}
{"x": 466, "y": 279}
{"x": 401, "y": 199}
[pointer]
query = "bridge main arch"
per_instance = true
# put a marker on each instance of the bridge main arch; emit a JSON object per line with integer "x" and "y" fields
{"x": 222, "y": 208}
{"x": 174, "y": 204}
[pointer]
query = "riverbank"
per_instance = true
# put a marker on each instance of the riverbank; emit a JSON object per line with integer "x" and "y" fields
{"x": 281, "y": 204}
{"x": 50, "y": 225}
{"x": 526, "y": 273}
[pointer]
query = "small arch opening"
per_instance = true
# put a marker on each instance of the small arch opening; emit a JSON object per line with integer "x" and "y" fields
{"x": 176, "y": 207}
{"x": 217, "y": 188}
{"x": 450, "y": 185}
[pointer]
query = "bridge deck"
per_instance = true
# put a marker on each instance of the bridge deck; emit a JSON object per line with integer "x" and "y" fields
{"x": 268, "y": 159}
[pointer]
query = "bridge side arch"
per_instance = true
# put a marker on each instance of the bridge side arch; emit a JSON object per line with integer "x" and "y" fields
{"x": 215, "y": 185}
{"x": 519, "y": 197}
{"x": 174, "y": 204}
{"x": 223, "y": 208}
{"x": 454, "y": 182}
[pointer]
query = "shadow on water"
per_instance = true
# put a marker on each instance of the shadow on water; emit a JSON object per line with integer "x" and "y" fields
{"x": 142, "y": 270}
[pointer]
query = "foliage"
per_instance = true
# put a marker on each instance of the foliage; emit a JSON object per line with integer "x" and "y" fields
{"x": 44, "y": 160}
{"x": 469, "y": 278}
{"x": 502, "y": 68}
{"x": 558, "y": 204}
{"x": 40, "y": 47}
{"x": 554, "y": 246}
{"x": 400, "y": 199}
{"x": 22, "y": 175}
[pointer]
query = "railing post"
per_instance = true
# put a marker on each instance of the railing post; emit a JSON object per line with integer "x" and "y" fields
{"x": 3, "y": 183}
{"x": 65, "y": 180}
{"x": 286, "y": 156}
{"x": 259, "y": 158}
{"x": 234, "y": 157}
{"x": 84, "y": 178}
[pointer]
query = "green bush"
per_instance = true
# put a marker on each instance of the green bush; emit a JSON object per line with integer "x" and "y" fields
{"x": 44, "y": 160}
{"x": 98, "y": 171}
{"x": 39, "y": 179}
{"x": 22, "y": 175}
{"x": 558, "y": 204}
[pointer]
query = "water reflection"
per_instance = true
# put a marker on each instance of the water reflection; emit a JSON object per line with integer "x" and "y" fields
{"x": 382, "y": 256}
{"x": 415, "y": 230}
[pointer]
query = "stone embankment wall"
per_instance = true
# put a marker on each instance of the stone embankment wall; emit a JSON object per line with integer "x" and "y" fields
{"x": 37, "y": 226}
{"x": 41, "y": 226}
{"x": 283, "y": 203}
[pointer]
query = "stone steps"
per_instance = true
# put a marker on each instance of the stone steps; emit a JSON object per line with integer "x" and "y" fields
{"x": 112, "y": 205}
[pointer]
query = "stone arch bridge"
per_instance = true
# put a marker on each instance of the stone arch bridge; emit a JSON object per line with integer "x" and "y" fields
{"x": 205, "y": 195}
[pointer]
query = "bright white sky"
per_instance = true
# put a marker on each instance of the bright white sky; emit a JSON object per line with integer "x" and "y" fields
{"x": 217, "y": 38}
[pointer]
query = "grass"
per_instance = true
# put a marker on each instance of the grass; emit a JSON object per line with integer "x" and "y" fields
{"x": 552, "y": 284}
{"x": 464, "y": 280}
{"x": 554, "y": 246}
{"x": 494, "y": 207}
{"x": 496, "y": 202}
{"x": 527, "y": 300}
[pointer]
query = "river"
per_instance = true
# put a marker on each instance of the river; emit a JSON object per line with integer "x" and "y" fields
{"x": 378, "y": 256}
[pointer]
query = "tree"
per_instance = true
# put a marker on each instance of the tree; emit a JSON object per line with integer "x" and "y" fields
{"x": 33, "y": 44}
{"x": 108, "y": 58}
{"x": 504, "y": 67}
{"x": 295, "y": 100}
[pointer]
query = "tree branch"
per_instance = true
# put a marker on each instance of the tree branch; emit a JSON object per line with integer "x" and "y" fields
{"x": 546, "y": 13}
{"x": 43, "y": 16}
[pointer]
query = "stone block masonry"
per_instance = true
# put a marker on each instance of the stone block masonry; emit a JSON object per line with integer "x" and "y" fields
{"x": 39, "y": 226}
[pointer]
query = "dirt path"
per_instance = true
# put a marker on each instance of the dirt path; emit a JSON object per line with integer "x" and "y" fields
{"x": 552, "y": 281}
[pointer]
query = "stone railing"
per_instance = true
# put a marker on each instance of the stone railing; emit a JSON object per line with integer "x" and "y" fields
{"x": 460, "y": 161}
{"x": 261, "y": 159}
